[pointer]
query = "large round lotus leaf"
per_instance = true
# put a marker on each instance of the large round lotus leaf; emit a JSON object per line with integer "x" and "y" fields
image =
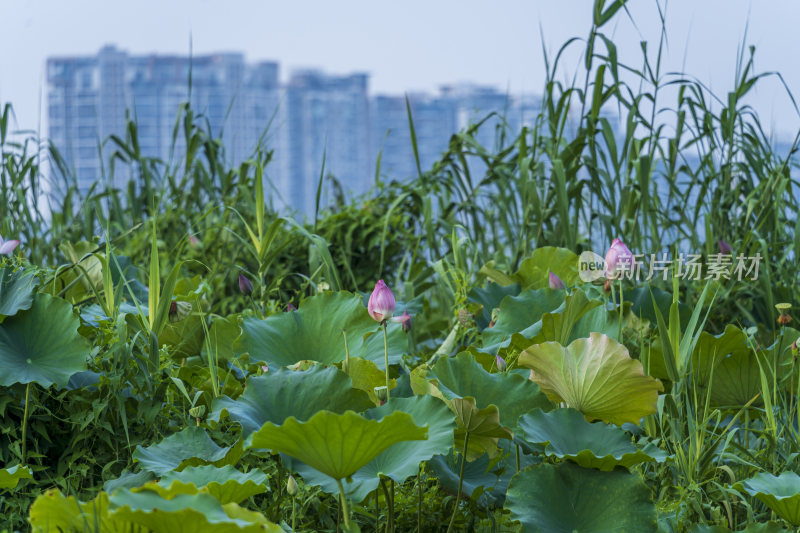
{"x": 337, "y": 445}
{"x": 461, "y": 376}
{"x": 566, "y": 498}
{"x": 314, "y": 332}
{"x": 567, "y": 435}
{"x": 596, "y": 376}
{"x": 52, "y": 511}
{"x": 190, "y": 447}
{"x": 9, "y": 477}
{"x": 186, "y": 513}
{"x": 401, "y": 460}
{"x": 485, "y": 480}
{"x": 42, "y": 345}
{"x": 779, "y": 493}
{"x": 521, "y": 314}
{"x": 279, "y": 394}
{"x": 226, "y": 484}
{"x": 16, "y": 290}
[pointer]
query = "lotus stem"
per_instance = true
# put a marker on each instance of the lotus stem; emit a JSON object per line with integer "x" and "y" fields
{"x": 517, "y": 458}
{"x": 386, "y": 358}
{"x": 346, "y": 354}
{"x": 293, "y": 513}
{"x": 460, "y": 481}
{"x": 25, "y": 422}
{"x": 344, "y": 505}
{"x": 621, "y": 302}
{"x": 419, "y": 499}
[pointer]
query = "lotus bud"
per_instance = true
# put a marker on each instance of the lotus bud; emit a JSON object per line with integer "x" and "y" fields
{"x": 618, "y": 259}
{"x": 404, "y": 320}
{"x": 381, "y": 393}
{"x": 194, "y": 241}
{"x": 381, "y": 302}
{"x": 724, "y": 247}
{"x": 290, "y": 307}
{"x": 264, "y": 368}
{"x": 555, "y": 282}
{"x": 291, "y": 486}
{"x": 501, "y": 363}
{"x": 245, "y": 285}
{"x": 6, "y": 247}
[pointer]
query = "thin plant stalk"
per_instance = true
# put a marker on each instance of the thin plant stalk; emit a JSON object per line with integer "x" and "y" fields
{"x": 25, "y": 422}
{"x": 345, "y": 512}
{"x": 460, "y": 482}
{"x": 386, "y": 358}
{"x": 347, "y": 355}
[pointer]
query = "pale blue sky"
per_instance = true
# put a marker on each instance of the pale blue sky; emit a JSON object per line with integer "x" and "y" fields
{"x": 405, "y": 46}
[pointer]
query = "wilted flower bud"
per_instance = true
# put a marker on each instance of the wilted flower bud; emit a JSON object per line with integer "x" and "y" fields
{"x": 465, "y": 318}
{"x": 783, "y": 309}
{"x": 555, "y": 281}
{"x": 501, "y": 363}
{"x": 618, "y": 259}
{"x": 495, "y": 316}
{"x": 404, "y": 320}
{"x": 724, "y": 247}
{"x": 179, "y": 310}
{"x": 381, "y": 302}
{"x": 244, "y": 284}
{"x": 291, "y": 486}
{"x": 381, "y": 393}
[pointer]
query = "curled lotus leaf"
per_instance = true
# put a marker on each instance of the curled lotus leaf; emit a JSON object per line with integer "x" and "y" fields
{"x": 190, "y": 447}
{"x": 226, "y": 484}
{"x": 779, "y": 493}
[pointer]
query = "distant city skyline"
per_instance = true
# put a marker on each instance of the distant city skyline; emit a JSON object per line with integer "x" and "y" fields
{"x": 315, "y": 121}
{"x": 414, "y": 48}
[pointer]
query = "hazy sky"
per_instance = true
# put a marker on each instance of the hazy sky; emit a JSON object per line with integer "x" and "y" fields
{"x": 405, "y": 46}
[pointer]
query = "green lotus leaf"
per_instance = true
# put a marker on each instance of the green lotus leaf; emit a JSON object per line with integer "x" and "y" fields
{"x": 221, "y": 338}
{"x": 314, "y": 332}
{"x": 16, "y": 290}
{"x": 226, "y": 484}
{"x": 534, "y": 271}
{"x": 88, "y": 267}
{"x": 567, "y": 435}
{"x": 400, "y": 461}
{"x": 31, "y": 352}
{"x": 461, "y": 376}
{"x": 337, "y": 445}
{"x": 566, "y": 498}
{"x": 644, "y": 306}
{"x": 482, "y": 425}
{"x": 184, "y": 337}
{"x": 521, "y": 314}
{"x": 186, "y": 513}
{"x": 279, "y": 394}
{"x": 489, "y": 298}
{"x": 9, "y": 477}
{"x": 596, "y": 376}
{"x": 730, "y": 364}
{"x": 366, "y": 376}
{"x": 190, "y": 447}
{"x": 52, "y": 511}
{"x": 779, "y": 493}
{"x": 128, "y": 480}
{"x": 485, "y": 480}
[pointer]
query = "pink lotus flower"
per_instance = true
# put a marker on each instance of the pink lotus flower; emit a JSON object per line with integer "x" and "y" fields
{"x": 6, "y": 247}
{"x": 555, "y": 281}
{"x": 381, "y": 302}
{"x": 724, "y": 247}
{"x": 618, "y": 260}
{"x": 404, "y": 320}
